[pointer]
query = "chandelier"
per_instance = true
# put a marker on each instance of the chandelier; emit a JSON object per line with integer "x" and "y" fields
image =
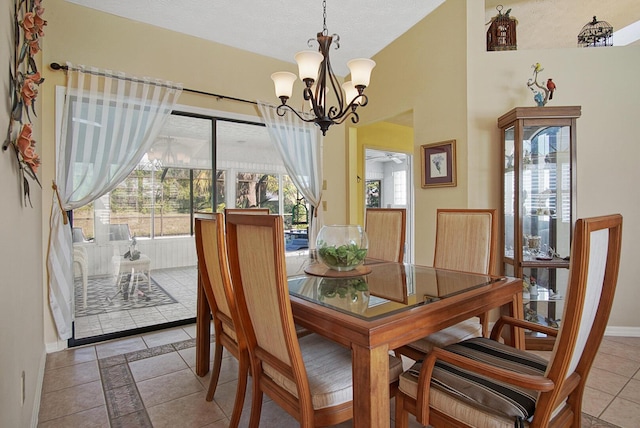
{"x": 314, "y": 69}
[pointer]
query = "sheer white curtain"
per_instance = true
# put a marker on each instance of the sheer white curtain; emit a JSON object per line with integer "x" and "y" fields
{"x": 109, "y": 122}
{"x": 300, "y": 146}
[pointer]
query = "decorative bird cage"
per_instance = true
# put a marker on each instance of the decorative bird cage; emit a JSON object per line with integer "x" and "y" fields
{"x": 596, "y": 33}
{"x": 501, "y": 35}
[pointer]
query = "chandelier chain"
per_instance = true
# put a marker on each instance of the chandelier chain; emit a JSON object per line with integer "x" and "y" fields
{"x": 324, "y": 18}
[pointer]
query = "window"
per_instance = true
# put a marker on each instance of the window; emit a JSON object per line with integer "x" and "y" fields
{"x": 400, "y": 187}
{"x": 175, "y": 179}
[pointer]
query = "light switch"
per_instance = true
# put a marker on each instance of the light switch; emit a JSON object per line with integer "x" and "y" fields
{"x": 324, "y": 205}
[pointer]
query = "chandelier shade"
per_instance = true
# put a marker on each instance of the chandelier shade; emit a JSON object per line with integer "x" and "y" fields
{"x": 361, "y": 71}
{"x": 350, "y": 92}
{"x": 283, "y": 81}
{"x": 314, "y": 69}
{"x": 308, "y": 64}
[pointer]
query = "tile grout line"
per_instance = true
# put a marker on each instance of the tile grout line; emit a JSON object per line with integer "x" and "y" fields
{"x": 149, "y": 352}
{"x": 104, "y": 364}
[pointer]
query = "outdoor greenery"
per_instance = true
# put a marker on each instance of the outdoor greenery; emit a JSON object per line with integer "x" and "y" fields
{"x": 168, "y": 195}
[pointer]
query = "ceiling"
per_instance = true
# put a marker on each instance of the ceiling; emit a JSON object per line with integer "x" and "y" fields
{"x": 279, "y": 28}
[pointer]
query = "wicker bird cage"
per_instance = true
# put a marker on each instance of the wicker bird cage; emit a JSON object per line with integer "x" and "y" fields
{"x": 501, "y": 35}
{"x": 596, "y": 33}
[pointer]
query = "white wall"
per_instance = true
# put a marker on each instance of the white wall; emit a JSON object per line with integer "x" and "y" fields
{"x": 21, "y": 297}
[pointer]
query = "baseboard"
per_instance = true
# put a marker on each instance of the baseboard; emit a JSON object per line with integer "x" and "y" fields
{"x": 38, "y": 392}
{"x": 59, "y": 345}
{"x": 622, "y": 331}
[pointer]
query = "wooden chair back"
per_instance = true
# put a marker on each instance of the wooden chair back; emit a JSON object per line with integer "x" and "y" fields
{"x": 466, "y": 240}
{"x": 258, "y": 269}
{"x": 593, "y": 274}
{"x": 213, "y": 267}
{"x": 215, "y": 280}
{"x": 595, "y": 261}
{"x": 386, "y": 230}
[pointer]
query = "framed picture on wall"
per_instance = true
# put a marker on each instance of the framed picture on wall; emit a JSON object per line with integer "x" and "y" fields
{"x": 373, "y": 190}
{"x": 438, "y": 164}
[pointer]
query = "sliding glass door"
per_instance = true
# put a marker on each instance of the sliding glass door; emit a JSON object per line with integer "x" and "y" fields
{"x": 134, "y": 251}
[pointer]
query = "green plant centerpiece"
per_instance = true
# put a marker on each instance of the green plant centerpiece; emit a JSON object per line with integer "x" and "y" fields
{"x": 342, "y": 247}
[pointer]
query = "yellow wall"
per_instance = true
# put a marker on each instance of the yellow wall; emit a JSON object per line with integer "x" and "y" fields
{"x": 441, "y": 70}
{"x": 453, "y": 95}
{"x": 379, "y": 135}
{"x": 604, "y": 82}
{"x": 424, "y": 70}
{"x": 438, "y": 69}
{"x": 21, "y": 297}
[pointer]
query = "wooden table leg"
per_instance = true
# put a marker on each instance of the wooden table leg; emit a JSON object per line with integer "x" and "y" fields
{"x": 370, "y": 387}
{"x": 514, "y": 336}
{"x": 518, "y": 312}
{"x": 203, "y": 332}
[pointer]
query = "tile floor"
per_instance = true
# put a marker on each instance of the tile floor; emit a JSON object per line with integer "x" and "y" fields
{"x": 149, "y": 381}
{"x": 180, "y": 283}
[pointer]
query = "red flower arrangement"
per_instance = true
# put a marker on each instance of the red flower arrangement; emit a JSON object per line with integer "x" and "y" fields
{"x": 27, "y": 148}
{"x": 25, "y": 80}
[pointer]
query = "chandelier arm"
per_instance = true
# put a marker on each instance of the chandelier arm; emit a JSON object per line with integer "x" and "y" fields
{"x": 350, "y": 108}
{"x": 282, "y": 112}
{"x": 351, "y": 114}
{"x": 337, "y": 90}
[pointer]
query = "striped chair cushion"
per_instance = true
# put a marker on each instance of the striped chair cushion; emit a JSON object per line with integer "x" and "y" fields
{"x": 473, "y": 396}
{"x": 464, "y": 330}
{"x": 329, "y": 371}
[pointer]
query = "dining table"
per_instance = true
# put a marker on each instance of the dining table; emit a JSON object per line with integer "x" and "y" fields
{"x": 379, "y": 307}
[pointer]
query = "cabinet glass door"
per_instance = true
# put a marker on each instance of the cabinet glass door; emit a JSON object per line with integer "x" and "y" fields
{"x": 509, "y": 195}
{"x": 546, "y": 191}
{"x": 545, "y": 200}
{"x": 538, "y": 190}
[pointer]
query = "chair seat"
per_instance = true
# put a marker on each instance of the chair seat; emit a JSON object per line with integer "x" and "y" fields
{"x": 459, "y": 332}
{"x": 474, "y": 399}
{"x": 329, "y": 371}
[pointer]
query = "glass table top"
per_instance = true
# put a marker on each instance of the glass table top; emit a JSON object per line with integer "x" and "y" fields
{"x": 388, "y": 289}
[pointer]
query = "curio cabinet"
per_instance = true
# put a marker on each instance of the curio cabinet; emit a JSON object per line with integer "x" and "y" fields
{"x": 538, "y": 202}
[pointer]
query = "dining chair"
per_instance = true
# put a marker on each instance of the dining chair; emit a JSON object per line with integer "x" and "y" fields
{"x": 386, "y": 231}
{"x": 465, "y": 241}
{"x": 482, "y": 382}
{"x": 309, "y": 377}
{"x": 213, "y": 268}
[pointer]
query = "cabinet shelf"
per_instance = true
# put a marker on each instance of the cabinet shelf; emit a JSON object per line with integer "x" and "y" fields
{"x": 555, "y": 263}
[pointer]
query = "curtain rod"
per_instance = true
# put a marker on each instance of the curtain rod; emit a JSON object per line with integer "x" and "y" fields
{"x": 56, "y": 66}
